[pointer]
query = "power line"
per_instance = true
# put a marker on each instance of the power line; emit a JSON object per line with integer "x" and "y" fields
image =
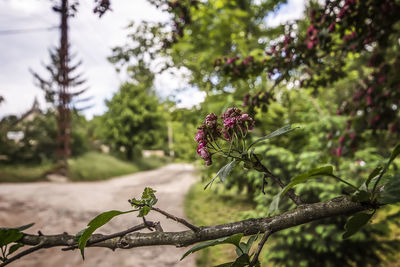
{"x": 22, "y": 31}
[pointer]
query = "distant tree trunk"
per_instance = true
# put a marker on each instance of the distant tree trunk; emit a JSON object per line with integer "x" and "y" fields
{"x": 64, "y": 116}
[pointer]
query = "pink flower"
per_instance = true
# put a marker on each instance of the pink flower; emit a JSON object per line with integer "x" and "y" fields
{"x": 199, "y": 136}
{"x": 244, "y": 116}
{"x": 229, "y": 122}
{"x": 341, "y": 139}
{"x": 332, "y": 27}
{"x": 200, "y": 147}
{"x": 369, "y": 100}
{"x": 211, "y": 120}
{"x": 339, "y": 151}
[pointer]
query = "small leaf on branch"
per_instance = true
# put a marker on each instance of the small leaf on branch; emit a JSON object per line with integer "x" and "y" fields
{"x": 280, "y": 131}
{"x": 315, "y": 173}
{"x": 146, "y": 202}
{"x": 361, "y": 196}
{"x": 9, "y": 235}
{"x": 234, "y": 240}
{"x": 395, "y": 153}
{"x": 355, "y": 223}
{"x": 223, "y": 172}
{"x": 14, "y": 248}
{"x": 243, "y": 260}
{"x": 94, "y": 224}
{"x": 373, "y": 174}
{"x": 391, "y": 191}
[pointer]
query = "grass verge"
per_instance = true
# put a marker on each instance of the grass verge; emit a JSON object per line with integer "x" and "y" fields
{"x": 89, "y": 167}
{"x": 207, "y": 207}
{"x": 23, "y": 173}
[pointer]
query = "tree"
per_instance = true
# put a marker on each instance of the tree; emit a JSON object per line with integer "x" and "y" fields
{"x": 58, "y": 87}
{"x": 134, "y": 120}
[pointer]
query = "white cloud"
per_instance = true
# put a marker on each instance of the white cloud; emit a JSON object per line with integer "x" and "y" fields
{"x": 294, "y": 9}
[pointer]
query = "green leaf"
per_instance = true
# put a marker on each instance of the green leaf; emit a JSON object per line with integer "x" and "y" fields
{"x": 361, "y": 196}
{"x": 227, "y": 264}
{"x": 144, "y": 211}
{"x": 315, "y": 173}
{"x": 9, "y": 235}
{"x": 284, "y": 129}
{"x": 234, "y": 240}
{"x": 148, "y": 196}
{"x": 242, "y": 261}
{"x": 395, "y": 153}
{"x": 355, "y": 223}
{"x": 94, "y": 224}
{"x": 274, "y": 206}
{"x": 223, "y": 172}
{"x": 373, "y": 174}
{"x": 24, "y": 227}
{"x": 14, "y": 248}
{"x": 244, "y": 248}
{"x": 391, "y": 191}
{"x": 383, "y": 180}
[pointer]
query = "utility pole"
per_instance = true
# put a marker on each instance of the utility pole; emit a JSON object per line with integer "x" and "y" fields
{"x": 64, "y": 116}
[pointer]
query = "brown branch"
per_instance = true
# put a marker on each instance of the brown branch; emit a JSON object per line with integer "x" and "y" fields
{"x": 180, "y": 220}
{"x": 300, "y": 215}
{"x": 23, "y": 253}
{"x": 260, "y": 247}
{"x": 101, "y": 238}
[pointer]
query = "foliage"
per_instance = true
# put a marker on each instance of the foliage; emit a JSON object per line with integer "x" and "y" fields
{"x": 134, "y": 120}
{"x": 22, "y": 173}
{"x": 92, "y": 166}
{"x": 39, "y": 138}
{"x": 142, "y": 205}
{"x": 10, "y": 236}
{"x": 227, "y": 206}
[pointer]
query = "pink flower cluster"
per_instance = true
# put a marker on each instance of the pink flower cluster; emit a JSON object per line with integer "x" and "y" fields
{"x": 206, "y": 133}
{"x": 235, "y": 122}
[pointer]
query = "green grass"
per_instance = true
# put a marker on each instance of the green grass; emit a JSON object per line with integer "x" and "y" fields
{"x": 89, "y": 167}
{"x": 206, "y": 207}
{"x": 23, "y": 173}
{"x": 96, "y": 166}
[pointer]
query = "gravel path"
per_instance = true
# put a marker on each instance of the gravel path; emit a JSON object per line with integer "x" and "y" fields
{"x": 68, "y": 207}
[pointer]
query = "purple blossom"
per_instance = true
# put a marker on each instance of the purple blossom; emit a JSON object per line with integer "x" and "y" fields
{"x": 211, "y": 120}
{"x": 199, "y": 136}
{"x": 229, "y": 122}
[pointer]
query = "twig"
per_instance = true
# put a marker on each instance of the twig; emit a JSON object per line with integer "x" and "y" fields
{"x": 260, "y": 246}
{"x": 91, "y": 241}
{"x": 23, "y": 253}
{"x": 180, "y": 220}
{"x": 295, "y": 198}
{"x": 148, "y": 225}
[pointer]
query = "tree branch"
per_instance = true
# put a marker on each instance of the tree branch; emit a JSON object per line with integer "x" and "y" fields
{"x": 300, "y": 215}
{"x": 180, "y": 220}
{"x": 260, "y": 247}
{"x": 23, "y": 253}
{"x": 97, "y": 239}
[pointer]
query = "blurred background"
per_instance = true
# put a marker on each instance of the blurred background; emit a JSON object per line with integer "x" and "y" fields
{"x": 92, "y": 90}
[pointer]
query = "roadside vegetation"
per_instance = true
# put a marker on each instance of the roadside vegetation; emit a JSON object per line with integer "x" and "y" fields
{"x": 215, "y": 206}
{"x": 92, "y": 166}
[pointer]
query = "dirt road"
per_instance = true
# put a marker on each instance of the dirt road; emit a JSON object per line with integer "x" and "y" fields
{"x": 59, "y": 207}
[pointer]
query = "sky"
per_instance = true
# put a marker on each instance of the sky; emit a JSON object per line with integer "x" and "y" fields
{"x": 92, "y": 39}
